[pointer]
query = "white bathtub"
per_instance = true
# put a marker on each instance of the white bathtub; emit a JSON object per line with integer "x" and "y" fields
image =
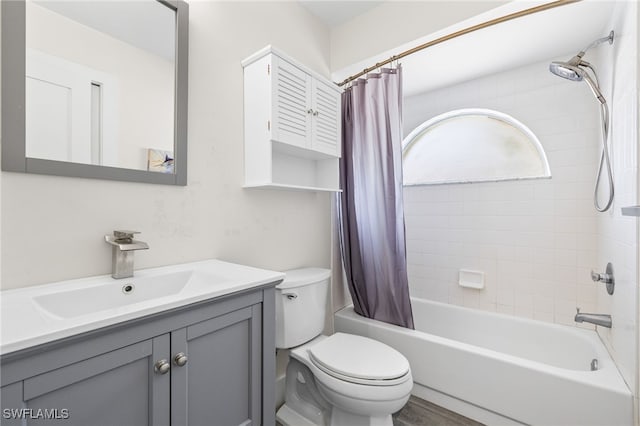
{"x": 500, "y": 369}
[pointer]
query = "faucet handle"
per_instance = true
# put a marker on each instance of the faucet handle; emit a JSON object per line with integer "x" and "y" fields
{"x": 124, "y": 240}
{"x": 124, "y": 234}
{"x": 577, "y": 310}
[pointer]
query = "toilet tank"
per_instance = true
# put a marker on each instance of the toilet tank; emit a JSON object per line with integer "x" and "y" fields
{"x": 301, "y": 303}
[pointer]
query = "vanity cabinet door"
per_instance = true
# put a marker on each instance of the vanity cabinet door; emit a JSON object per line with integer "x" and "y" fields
{"x": 221, "y": 382}
{"x": 119, "y": 387}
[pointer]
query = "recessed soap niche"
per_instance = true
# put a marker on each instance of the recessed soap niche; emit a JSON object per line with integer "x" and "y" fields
{"x": 471, "y": 279}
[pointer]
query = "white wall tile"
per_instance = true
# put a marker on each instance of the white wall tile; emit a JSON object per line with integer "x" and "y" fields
{"x": 618, "y": 235}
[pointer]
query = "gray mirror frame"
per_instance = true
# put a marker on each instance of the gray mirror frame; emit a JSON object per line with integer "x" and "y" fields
{"x": 14, "y": 158}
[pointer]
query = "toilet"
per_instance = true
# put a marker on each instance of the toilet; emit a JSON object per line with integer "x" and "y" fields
{"x": 337, "y": 380}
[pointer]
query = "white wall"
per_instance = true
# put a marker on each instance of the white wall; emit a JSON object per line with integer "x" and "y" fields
{"x": 535, "y": 240}
{"x": 617, "y": 234}
{"x": 1, "y": 175}
{"x": 394, "y": 23}
{"x": 54, "y": 226}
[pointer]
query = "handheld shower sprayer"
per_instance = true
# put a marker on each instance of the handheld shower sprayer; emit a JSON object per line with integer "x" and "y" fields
{"x": 576, "y": 69}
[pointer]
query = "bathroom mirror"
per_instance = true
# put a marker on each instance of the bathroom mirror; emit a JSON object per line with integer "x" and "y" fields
{"x": 95, "y": 89}
{"x": 472, "y": 145}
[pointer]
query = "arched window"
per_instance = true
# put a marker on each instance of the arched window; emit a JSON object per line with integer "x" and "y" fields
{"x": 472, "y": 145}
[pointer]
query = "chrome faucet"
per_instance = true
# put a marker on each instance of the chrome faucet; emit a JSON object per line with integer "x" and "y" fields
{"x": 122, "y": 252}
{"x": 603, "y": 320}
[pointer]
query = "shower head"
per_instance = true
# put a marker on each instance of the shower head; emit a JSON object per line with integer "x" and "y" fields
{"x": 567, "y": 70}
{"x": 574, "y": 68}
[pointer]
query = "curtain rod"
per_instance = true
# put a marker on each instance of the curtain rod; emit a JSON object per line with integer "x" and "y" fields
{"x": 464, "y": 31}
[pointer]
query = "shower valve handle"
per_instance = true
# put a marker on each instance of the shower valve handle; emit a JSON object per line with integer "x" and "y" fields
{"x": 606, "y": 278}
{"x": 598, "y": 277}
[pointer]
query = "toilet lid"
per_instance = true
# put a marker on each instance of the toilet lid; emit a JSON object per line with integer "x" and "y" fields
{"x": 357, "y": 357}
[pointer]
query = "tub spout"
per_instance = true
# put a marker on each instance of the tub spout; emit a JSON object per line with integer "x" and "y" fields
{"x": 597, "y": 319}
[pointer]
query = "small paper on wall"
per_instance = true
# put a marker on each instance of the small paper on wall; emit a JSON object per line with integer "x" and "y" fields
{"x": 159, "y": 160}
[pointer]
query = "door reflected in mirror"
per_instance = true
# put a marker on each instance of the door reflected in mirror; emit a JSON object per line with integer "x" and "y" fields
{"x": 100, "y": 83}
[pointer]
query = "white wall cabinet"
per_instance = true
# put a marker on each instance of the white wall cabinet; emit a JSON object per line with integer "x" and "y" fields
{"x": 291, "y": 125}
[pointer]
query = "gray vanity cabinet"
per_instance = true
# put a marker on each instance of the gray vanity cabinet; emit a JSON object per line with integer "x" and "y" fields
{"x": 217, "y": 385}
{"x": 211, "y": 363}
{"x": 114, "y": 388}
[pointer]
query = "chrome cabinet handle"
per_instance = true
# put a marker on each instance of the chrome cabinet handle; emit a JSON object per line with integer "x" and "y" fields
{"x": 162, "y": 366}
{"x": 180, "y": 359}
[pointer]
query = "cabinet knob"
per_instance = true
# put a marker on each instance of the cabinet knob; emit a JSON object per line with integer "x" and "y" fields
{"x": 315, "y": 113}
{"x": 180, "y": 359}
{"x": 310, "y": 111}
{"x": 162, "y": 366}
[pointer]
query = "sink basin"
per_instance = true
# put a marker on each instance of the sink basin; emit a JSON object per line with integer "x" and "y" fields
{"x": 116, "y": 294}
{"x": 35, "y": 315}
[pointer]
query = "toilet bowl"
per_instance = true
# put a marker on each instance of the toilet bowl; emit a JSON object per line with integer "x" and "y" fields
{"x": 350, "y": 381}
{"x": 337, "y": 380}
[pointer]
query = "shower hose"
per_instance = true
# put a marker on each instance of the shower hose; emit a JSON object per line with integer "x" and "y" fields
{"x": 604, "y": 160}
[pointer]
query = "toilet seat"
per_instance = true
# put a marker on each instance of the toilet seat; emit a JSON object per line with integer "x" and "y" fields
{"x": 359, "y": 360}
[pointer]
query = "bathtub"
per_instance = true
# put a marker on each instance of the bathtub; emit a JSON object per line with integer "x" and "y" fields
{"x": 500, "y": 369}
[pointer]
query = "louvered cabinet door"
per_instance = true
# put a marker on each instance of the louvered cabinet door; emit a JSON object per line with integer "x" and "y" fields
{"x": 291, "y": 104}
{"x": 326, "y": 119}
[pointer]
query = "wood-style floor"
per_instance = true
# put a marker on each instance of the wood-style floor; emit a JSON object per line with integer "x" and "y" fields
{"x": 419, "y": 412}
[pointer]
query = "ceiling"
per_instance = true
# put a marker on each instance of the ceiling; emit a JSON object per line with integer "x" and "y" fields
{"x": 334, "y": 13}
{"x": 533, "y": 38}
{"x": 146, "y": 24}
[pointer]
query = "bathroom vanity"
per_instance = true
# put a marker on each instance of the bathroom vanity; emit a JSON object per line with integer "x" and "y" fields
{"x": 209, "y": 360}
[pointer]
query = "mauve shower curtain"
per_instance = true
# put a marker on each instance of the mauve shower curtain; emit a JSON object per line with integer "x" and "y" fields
{"x": 372, "y": 232}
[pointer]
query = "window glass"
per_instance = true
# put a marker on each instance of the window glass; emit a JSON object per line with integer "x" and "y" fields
{"x": 472, "y": 145}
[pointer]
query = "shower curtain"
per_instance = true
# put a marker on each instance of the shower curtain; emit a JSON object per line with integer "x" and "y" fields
{"x": 372, "y": 233}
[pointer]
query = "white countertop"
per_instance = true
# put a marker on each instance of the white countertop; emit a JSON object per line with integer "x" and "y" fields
{"x": 24, "y": 322}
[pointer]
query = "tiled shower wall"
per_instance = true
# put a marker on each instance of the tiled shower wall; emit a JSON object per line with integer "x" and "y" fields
{"x": 535, "y": 240}
{"x": 617, "y": 234}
